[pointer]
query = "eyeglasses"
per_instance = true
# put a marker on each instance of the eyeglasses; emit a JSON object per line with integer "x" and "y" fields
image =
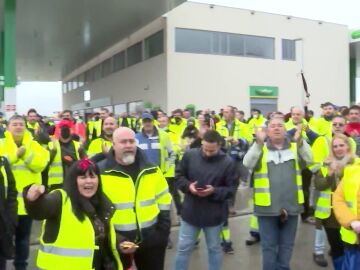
{"x": 338, "y": 124}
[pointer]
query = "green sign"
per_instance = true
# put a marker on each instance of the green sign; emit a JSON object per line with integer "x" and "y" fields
{"x": 264, "y": 91}
{"x": 355, "y": 34}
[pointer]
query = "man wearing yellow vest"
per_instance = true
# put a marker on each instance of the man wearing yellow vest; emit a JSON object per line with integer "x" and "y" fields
{"x": 126, "y": 121}
{"x": 94, "y": 126}
{"x": 346, "y": 208}
{"x": 63, "y": 153}
{"x": 257, "y": 120}
{"x": 140, "y": 194}
{"x": 27, "y": 159}
{"x": 170, "y": 174}
{"x": 155, "y": 143}
{"x": 237, "y": 137}
{"x": 278, "y": 195}
{"x": 32, "y": 123}
{"x": 104, "y": 142}
{"x": 323, "y": 124}
{"x": 177, "y": 123}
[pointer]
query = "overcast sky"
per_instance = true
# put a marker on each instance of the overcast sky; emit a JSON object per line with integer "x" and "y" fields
{"x": 338, "y": 11}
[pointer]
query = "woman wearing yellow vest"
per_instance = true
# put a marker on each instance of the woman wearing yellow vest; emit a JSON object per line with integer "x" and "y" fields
{"x": 346, "y": 206}
{"x": 77, "y": 232}
{"x": 326, "y": 182}
{"x": 8, "y": 212}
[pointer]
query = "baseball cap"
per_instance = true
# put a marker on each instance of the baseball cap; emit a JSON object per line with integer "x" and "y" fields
{"x": 147, "y": 116}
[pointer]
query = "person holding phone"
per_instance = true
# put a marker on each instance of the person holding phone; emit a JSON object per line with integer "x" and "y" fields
{"x": 208, "y": 178}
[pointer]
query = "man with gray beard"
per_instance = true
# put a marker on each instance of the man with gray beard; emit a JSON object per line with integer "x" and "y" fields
{"x": 139, "y": 192}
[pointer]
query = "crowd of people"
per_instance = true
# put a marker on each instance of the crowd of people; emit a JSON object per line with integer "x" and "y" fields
{"x": 104, "y": 186}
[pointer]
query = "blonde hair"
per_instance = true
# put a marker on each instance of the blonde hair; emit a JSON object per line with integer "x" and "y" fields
{"x": 350, "y": 154}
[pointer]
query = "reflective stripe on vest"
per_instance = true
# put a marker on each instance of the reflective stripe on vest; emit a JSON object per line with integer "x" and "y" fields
{"x": 351, "y": 186}
{"x": 74, "y": 246}
{"x": 68, "y": 252}
{"x": 122, "y": 206}
{"x": 323, "y": 205}
{"x": 56, "y": 173}
{"x": 137, "y": 204}
{"x": 262, "y": 196}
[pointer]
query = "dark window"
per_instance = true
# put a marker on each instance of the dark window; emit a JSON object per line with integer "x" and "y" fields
{"x": 106, "y": 67}
{"x": 97, "y": 72}
{"x": 119, "y": 61}
{"x": 134, "y": 54}
{"x": 154, "y": 45}
{"x": 265, "y": 105}
{"x": 89, "y": 76}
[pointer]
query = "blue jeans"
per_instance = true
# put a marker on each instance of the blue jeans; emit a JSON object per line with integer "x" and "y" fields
{"x": 188, "y": 235}
{"x": 319, "y": 243}
{"x": 277, "y": 241}
{"x": 22, "y": 242}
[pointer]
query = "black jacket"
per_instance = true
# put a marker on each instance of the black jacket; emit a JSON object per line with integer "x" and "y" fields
{"x": 8, "y": 211}
{"x": 218, "y": 171}
{"x": 49, "y": 206}
{"x": 157, "y": 234}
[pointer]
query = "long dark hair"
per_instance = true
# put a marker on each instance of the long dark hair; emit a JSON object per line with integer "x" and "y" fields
{"x": 81, "y": 168}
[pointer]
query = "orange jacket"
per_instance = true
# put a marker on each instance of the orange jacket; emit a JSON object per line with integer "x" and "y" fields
{"x": 342, "y": 212}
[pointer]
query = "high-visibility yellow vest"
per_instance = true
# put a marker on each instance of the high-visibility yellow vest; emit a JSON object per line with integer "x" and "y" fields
{"x": 175, "y": 142}
{"x": 290, "y": 125}
{"x": 351, "y": 185}
{"x": 33, "y": 127}
{"x": 254, "y": 225}
{"x": 324, "y": 127}
{"x": 95, "y": 146}
{"x": 255, "y": 123}
{"x": 240, "y": 130}
{"x": 137, "y": 204}
{"x": 74, "y": 246}
{"x": 27, "y": 169}
{"x": 56, "y": 173}
{"x": 131, "y": 122}
{"x": 178, "y": 128}
{"x": 97, "y": 125}
{"x": 323, "y": 203}
{"x": 321, "y": 150}
{"x": 262, "y": 196}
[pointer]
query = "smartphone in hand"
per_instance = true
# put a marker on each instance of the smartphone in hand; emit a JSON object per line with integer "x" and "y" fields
{"x": 200, "y": 187}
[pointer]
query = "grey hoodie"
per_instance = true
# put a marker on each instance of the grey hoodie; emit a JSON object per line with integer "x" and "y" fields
{"x": 282, "y": 173}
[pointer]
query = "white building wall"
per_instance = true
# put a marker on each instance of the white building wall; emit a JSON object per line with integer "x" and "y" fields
{"x": 212, "y": 81}
{"x": 144, "y": 81}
